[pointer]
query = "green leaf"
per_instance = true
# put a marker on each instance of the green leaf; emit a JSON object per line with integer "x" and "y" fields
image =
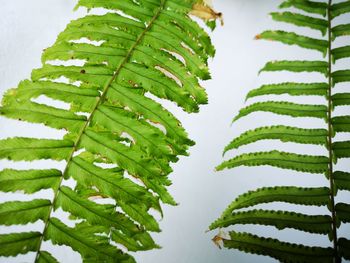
{"x": 282, "y": 251}
{"x": 340, "y": 30}
{"x": 89, "y": 246}
{"x": 97, "y": 214}
{"x": 282, "y": 133}
{"x": 297, "y": 66}
{"x": 302, "y": 20}
{"x": 338, "y": 9}
{"x": 292, "y": 161}
{"x": 291, "y": 88}
{"x": 342, "y": 180}
{"x": 29, "y": 181}
{"x": 152, "y": 140}
{"x": 291, "y": 38}
{"x": 132, "y": 198}
{"x": 343, "y": 212}
{"x": 321, "y": 224}
{"x": 40, "y": 113}
{"x": 152, "y": 111}
{"x": 28, "y": 149}
{"x": 341, "y": 149}
{"x": 81, "y": 99}
{"x": 21, "y": 213}
{"x": 19, "y": 243}
{"x": 45, "y": 257}
{"x": 285, "y": 108}
{"x": 96, "y": 75}
{"x": 133, "y": 161}
{"x": 340, "y": 52}
{"x": 344, "y": 248}
{"x": 137, "y": 242}
{"x": 340, "y": 99}
{"x": 341, "y": 123}
{"x": 106, "y": 215}
{"x": 312, "y": 7}
{"x": 147, "y": 51}
{"x": 290, "y": 194}
{"x": 340, "y": 76}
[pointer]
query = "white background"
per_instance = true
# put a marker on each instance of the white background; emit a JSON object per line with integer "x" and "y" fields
{"x": 27, "y": 27}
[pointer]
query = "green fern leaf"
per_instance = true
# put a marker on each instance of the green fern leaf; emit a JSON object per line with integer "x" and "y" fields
{"x": 291, "y": 88}
{"x": 28, "y": 149}
{"x": 20, "y": 213}
{"x": 343, "y": 212}
{"x": 285, "y": 108}
{"x": 340, "y": 52}
{"x": 339, "y": 8}
{"x": 341, "y": 149}
{"x": 46, "y": 257}
{"x": 340, "y": 30}
{"x": 119, "y": 142}
{"x": 307, "y": 6}
{"x": 280, "y": 219}
{"x": 91, "y": 247}
{"x": 281, "y": 251}
{"x": 344, "y": 248}
{"x": 289, "y": 194}
{"x": 340, "y": 99}
{"x": 327, "y": 137}
{"x": 28, "y": 181}
{"x": 297, "y": 162}
{"x": 341, "y": 123}
{"x": 297, "y": 66}
{"x": 291, "y": 38}
{"x": 342, "y": 180}
{"x": 301, "y": 20}
{"x": 282, "y": 133}
{"x": 340, "y": 76}
{"x": 19, "y": 243}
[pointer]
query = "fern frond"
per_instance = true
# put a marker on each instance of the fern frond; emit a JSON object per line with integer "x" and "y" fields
{"x": 282, "y": 251}
{"x": 341, "y": 99}
{"x": 341, "y": 149}
{"x": 342, "y": 180}
{"x": 19, "y": 243}
{"x": 285, "y": 108}
{"x": 340, "y": 30}
{"x": 21, "y": 213}
{"x": 289, "y": 194}
{"x": 326, "y": 136}
{"x": 282, "y": 133}
{"x": 340, "y": 76}
{"x": 90, "y": 246}
{"x": 297, "y": 66}
{"x": 344, "y": 248}
{"x": 312, "y": 7}
{"x": 46, "y": 257}
{"x": 29, "y": 181}
{"x": 280, "y": 219}
{"x": 291, "y": 88}
{"x": 291, "y": 38}
{"x": 339, "y": 9}
{"x": 341, "y": 123}
{"x": 297, "y": 162}
{"x": 343, "y": 212}
{"x": 340, "y": 52}
{"x": 119, "y": 142}
{"x": 301, "y": 20}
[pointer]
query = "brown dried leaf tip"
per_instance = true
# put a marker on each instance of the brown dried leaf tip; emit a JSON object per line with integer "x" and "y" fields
{"x": 204, "y": 10}
{"x": 257, "y": 37}
{"x": 220, "y": 237}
